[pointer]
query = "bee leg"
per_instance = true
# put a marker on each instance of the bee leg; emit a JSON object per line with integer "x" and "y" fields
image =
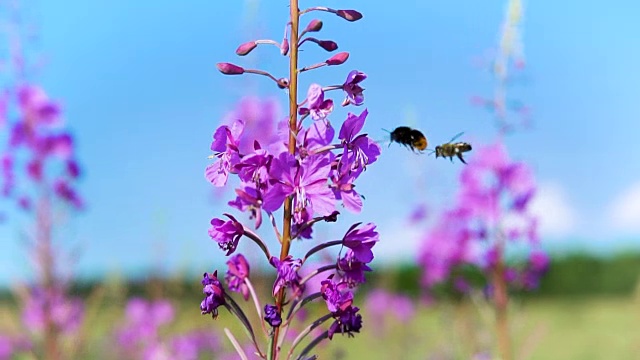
{"x": 461, "y": 159}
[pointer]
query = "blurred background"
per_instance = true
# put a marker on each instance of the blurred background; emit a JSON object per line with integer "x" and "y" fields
{"x": 136, "y": 88}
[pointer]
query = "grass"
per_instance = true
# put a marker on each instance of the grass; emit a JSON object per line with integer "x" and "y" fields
{"x": 591, "y": 328}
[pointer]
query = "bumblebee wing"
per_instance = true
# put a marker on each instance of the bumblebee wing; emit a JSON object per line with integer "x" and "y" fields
{"x": 455, "y": 137}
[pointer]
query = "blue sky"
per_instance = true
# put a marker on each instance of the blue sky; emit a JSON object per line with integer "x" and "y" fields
{"x": 142, "y": 95}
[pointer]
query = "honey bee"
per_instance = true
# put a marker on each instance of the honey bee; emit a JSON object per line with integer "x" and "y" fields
{"x": 411, "y": 138}
{"x": 452, "y": 149}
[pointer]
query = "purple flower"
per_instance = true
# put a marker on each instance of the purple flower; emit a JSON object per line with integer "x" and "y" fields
{"x": 143, "y": 318}
{"x": 539, "y": 261}
{"x": 352, "y": 270}
{"x": 445, "y": 246}
{"x": 272, "y": 316}
{"x": 361, "y": 241}
{"x": 352, "y": 88}
{"x": 254, "y": 167}
{"x": 382, "y": 302}
{"x": 6, "y": 347}
{"x": 336, "y": 295}
{"x": 63, "y": 190}
{"x": 36, "y": 106}
{"x": 306, "y": 180}
{"x": 192, "y": 345}
{"x": 73, "y": 169}
{"x": 347, "y": 322}
{"x": 34, "y": 170}
{"x": 318, "y": 135}
{"x": 225, "y": 145}
{"x": 359, "y": 150}
{"x": 238, "y": 271}
{"x": 66, "y": 313}
{"x": 343, "y": 189}
{"x": 226, "y": 233}
{"x": 319, "y": 108}
{"x": 249, "y": 199}
{"x": 287, "y": 274}
{"x": 214, "y": 294}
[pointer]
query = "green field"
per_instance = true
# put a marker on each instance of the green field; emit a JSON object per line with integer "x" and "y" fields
{"x": 595, "y": 328}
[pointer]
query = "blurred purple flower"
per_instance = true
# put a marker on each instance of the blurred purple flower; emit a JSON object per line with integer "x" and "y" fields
{"x": 36, "y": 107}
{"x": 66, "y": 313}
{"x": 64, "y": 191}
{"x": 381, "y": 302}
{"x": 260, "y": 117}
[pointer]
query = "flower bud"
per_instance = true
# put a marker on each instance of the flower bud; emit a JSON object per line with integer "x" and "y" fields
{"x": 284, "y": 47}
{"x": 246, "y": 48}
{"x": 314, "y": 25}
{"x": 349, "y": 15}
{"x": 328, "y": 45}
{"x": 229, "y": 69}
{"x": 338, "y": 59}
{"x": 283, "y": 83}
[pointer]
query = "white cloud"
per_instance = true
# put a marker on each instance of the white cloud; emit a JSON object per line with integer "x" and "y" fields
{"x": 554, "y": 211}
{"x": 624, "y": 211}
{"x": 398, "y": 241}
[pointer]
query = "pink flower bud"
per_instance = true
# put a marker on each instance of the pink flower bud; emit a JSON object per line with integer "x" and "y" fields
{"x": 328, "y": 45}
{"x": 338, "y": 59}
{"x": 349, "y": 15}
{"x": 229, "y": 69}
{"x": 314, "y": 25}
{"x": 246, "y": 48}
{"x": 284, "y": 47}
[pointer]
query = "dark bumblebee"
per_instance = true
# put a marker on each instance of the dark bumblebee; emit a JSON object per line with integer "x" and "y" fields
{"x": 412, "y": 138}
{"x": 452, "y": 149}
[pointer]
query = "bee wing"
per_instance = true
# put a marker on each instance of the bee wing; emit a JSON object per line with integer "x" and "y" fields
{"x": 455, "y": 137}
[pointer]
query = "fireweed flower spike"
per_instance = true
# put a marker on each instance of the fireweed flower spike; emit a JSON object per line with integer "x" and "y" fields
{"x": 304, "y": 173}
{"x": 490, "y": 215}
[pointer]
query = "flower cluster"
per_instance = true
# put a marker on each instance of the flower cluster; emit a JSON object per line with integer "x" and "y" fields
{"x": 306, "y": 170}
{"x": 491, "y": 211}
{"x": 39, "y": 148}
